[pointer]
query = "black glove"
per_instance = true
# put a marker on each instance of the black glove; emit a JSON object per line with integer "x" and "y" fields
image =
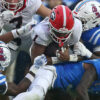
{"x": 17, "y": 20}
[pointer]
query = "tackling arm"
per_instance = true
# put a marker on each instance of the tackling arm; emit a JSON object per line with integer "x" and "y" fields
{"x": 44, "y": 11}
{"x": 37, "y": 50}
{"x": 81, "y": 50}
{"x": 7, "y": 37}
{"x": 14, "y": 89}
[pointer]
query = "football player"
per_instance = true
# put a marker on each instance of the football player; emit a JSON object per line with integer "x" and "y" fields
{"x": 7, "y": 88}
{"x": 89, "y": 66}
{"x": 63, "y": 32}
{"x": 22, "y": 12}
{"x": 5, "y": 57}
{"x": 66, "y": 31}
{"x": 17, "y": 13}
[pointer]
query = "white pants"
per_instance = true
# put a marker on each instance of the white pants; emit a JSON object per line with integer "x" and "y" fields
{"x": 44, "y": 80}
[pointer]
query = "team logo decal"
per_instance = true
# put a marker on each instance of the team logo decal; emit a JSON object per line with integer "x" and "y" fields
{"x": 53, "y": 15}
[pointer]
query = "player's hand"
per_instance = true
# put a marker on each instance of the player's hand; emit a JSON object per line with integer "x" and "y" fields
{"x": 40, "y": 61}
{"x": 63, "y": 55}
{"x": 24, "y": 30}
{"x": 81, "y": 50}
{"x": 27, "y": 28}
{"x": 5, "y": 17}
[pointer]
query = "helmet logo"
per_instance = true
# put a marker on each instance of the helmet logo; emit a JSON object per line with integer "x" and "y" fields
{"x": 52, "y": 16}
{"x": 94, "y": 9}
{"x": 2, "y": 58}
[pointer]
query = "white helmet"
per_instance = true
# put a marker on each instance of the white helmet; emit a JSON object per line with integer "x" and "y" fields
{"x": 88, "y": 11}
{"x": 5, "y": 56}
{"x": 13, "y": 5}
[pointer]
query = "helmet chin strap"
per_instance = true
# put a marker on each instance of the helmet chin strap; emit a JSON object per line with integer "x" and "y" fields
{"x": 60, "y": 43}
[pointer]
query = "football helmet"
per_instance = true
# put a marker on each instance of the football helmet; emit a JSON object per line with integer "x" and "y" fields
{"x": 61, "y": 23}
{"x": 5, "y": 56}
{"x": 88, "y": 11}
{"x": 13, "y": 5}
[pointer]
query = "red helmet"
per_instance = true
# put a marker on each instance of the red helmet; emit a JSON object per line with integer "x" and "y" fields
{"x": 13, "y": 5}
{"x": 61, "y": 24}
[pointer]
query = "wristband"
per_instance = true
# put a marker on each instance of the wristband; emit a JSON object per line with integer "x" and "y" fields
{"x": 30, "y": 77}
{"x": 73, "y": 57}
{"x": 55, "y": 60}
{"x": 14, "y": 33}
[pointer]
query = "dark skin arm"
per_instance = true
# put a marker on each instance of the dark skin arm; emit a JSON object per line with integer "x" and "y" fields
{"x": 14, "y": 89}
{"x": 85, "y": 83}
{"x": 6, "y": 37}
{"x": 64, "y": 56}
{"x": 37, "y": 50}
{"x": 43, "y": 11}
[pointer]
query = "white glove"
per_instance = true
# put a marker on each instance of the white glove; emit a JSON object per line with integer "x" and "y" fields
{"x": 33, "y": 69}
{"x": 24, "y": 29}
{"x": 5, "y": 17}
{"x": 40, "y": 61}
{"x": 80, "y": 49}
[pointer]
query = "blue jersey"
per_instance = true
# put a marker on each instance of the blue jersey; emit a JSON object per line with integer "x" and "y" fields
{"x": 91, "y": 38}
{"x": 70, "y": 74}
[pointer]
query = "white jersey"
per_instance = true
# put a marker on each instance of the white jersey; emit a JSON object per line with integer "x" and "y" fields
{"x": 31, "y": 8}
{"x": 27, "y": 12}
{"x": 41, "y": 33}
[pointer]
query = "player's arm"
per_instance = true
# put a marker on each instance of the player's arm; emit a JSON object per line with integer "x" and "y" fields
{"x": 43, "y": 11}
{"x": 42, "y": 52}
{"x": 37, "y": 50}
{"x": 7, "y": 37}
{"x": 81, "y": 50}
{"x": 14, "y": 89}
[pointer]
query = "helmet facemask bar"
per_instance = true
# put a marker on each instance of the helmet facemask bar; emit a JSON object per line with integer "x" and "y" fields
{"x": 12, "y": 6}
{"x": 89, "y": 23}
{"x": 59, "y": 37}
{"x": 2, "y": 68}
